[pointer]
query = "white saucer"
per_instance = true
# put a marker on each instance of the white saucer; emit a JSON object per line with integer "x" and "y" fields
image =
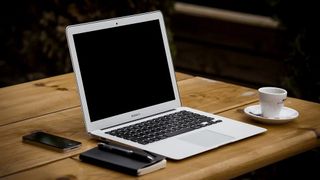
{"x": 286, "y": 115}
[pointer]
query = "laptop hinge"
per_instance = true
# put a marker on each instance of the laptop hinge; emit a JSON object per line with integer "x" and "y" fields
{"x": 138, "y": 119}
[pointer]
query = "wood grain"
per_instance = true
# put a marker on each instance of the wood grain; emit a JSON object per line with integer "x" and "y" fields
{"x": 214, "y": 96}
{"x": 37, "y": 98}
{"x": 47, "y": 105}
{"x": 17, "y": 156}
{"x": 69, "y": 169}
{"x": 182, "y": 76}
{"x": 69, "y": 123}
{"x": 279, "y": 142}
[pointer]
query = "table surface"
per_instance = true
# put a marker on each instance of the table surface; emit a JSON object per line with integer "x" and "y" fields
{"x": 53, "y": 105}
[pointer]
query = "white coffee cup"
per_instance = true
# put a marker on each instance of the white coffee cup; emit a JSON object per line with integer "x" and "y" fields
{"x": 271, "y": 101}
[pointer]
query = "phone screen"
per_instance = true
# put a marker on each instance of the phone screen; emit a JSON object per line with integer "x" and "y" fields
{"x": 51, "y": 141}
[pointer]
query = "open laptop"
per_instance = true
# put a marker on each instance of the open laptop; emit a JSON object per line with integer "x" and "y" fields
{"x": 129, "y": 94}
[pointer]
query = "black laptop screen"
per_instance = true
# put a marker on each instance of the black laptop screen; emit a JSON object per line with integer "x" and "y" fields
{"x": 123, "y": 69}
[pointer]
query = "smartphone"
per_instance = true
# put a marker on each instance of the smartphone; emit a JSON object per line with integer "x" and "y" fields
{"x": 50, "y": 141}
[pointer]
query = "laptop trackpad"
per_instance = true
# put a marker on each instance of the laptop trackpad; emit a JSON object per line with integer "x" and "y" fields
{"x": 207, "y": 138}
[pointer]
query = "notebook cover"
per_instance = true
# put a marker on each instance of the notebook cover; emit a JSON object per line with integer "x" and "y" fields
{"x": 118, "y": 162}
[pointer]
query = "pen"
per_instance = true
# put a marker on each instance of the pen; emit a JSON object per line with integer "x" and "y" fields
{"x": 126, "y": 152}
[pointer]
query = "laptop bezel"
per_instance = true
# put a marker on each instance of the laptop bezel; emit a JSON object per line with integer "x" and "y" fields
{"x": 132, "y": 115}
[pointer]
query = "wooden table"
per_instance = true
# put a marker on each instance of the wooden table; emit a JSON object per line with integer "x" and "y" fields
{"x": 53, "y": 105}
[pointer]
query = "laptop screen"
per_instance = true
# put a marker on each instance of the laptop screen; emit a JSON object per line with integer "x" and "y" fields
{"x": 123, "y": 69}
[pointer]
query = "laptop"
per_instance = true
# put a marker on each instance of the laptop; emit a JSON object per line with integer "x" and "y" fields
{"x": 129, "y": 94}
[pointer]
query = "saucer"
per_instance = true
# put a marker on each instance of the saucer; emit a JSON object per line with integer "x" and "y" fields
{"x": 286, "y": 115}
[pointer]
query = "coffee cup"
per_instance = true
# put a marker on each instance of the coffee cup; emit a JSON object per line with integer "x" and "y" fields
{"x": 271, "y": 101}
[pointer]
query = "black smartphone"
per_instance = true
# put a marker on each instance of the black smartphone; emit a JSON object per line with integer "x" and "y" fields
{"x": 50, "y": 141}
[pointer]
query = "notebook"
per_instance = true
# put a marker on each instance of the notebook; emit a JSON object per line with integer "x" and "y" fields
{"x": 128, "y": 91}
{"x": 123, "y": 163}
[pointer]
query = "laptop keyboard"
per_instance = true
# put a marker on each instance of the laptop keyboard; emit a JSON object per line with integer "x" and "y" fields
{"x": 163, "y": 127}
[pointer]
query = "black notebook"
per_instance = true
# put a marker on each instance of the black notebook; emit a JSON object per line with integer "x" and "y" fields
{"x": 123, "y": 163}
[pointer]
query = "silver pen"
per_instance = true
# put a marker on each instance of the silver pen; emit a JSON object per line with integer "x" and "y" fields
{"x": 126, "y": 152}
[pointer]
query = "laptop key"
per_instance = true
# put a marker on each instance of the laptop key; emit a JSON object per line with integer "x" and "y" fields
{"x": 163, "y": 127}
{"x": 174, "y": 133}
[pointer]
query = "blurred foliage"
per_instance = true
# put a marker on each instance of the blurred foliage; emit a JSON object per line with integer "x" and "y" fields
{"x": 32, "y": 33}
{"x": 299, "y": 18}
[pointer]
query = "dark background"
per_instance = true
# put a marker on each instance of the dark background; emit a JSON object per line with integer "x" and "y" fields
{"x": 33, "y": 43}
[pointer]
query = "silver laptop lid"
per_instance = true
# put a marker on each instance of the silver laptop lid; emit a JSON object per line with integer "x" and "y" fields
{"x": 123, "y": 69}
